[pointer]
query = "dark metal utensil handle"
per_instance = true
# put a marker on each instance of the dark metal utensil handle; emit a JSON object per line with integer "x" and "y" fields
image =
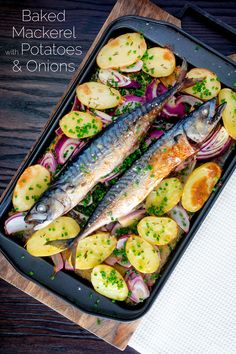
{"x": 210, "y": 18}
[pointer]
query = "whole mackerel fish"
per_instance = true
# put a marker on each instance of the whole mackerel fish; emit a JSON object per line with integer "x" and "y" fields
{"x": 179, "y": 143}
{"x": 99, "y": 158}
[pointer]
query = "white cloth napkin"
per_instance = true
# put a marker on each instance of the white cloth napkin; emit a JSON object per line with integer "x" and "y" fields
{"x": 196, "y": 309}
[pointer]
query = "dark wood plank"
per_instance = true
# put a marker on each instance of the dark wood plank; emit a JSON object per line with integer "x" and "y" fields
{"x": 27, "y": 326}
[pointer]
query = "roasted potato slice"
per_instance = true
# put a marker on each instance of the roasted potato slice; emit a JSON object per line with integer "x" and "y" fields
{"x": 93, "y": 250}
{"x": 62, "y": 228}
{"x": 199, "y": 186}
{"x": 158, "y": 62}
{"x": 109, "y": 282}
{"x": 98, "y": 96}
{"x": 31, "y": 184}
{"x": 122, "y": 51}
{"x": 229, "y": 114}
{"x": 80, "y": 125}
{"x": 164, "y": 197}
{"x": 158, "y": 230}
{"x": 206, "y": 89}
{"x": 142, "y": 255}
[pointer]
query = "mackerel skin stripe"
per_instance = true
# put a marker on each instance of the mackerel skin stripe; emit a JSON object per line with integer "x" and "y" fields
{"x": 109, "y": 149}
{"x": 141, "y": 178}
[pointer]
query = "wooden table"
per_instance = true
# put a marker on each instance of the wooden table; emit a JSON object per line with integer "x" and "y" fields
{"x": 27, "y": 326}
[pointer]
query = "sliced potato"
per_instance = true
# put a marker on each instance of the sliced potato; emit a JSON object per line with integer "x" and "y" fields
{"x": 170, "y": 80}
{"x": 158, "y": 62}
{"x": 206, "y": 89}
{"x": 93, "y": 250}
{"x": 109, "y": 282}
{"x": 142, "y": 255}
{"x": 61, "y": 229}
{"x": 31, "y": 184}
{"x": 229, "y": 113}
{"x": 164, "y": 197}
{"x": 122, "y": 51}
{"x": 98, "y": 96}
{"x": 199, "y": 186}
{"x": 158, "y": 230}
{"x": 77, "y": 124}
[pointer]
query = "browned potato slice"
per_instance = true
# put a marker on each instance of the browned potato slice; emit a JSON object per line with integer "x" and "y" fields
{"x": 158, "y": 62}
{"x": 158, "y": 230}
{"x": 79, "y": 125}
{"x": 61, "y": 229}
{"x": 229, "y": 113}
{"x": 206, "y": 89}
{"x": 31, "y": 184}
{"x": 142, "y": 255}
{"x": 122, "y": 51}
{"x": 109, "y": 282}
{"x": 98, "y": 96}
{"x": 199, "y": 186}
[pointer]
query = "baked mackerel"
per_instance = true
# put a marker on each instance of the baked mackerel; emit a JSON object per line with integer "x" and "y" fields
{"x": 99, "y": 158}
{"x": 179, "y": 143}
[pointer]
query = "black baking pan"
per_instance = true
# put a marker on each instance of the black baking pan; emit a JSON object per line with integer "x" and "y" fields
{"x": 69, "y": 286}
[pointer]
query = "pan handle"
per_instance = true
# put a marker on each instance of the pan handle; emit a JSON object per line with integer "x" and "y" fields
{"x": 190, "y": 8}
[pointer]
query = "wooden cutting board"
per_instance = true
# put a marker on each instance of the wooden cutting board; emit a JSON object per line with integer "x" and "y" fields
{"x": 113, "y": 332}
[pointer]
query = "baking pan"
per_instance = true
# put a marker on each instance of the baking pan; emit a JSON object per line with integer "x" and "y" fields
{"x": 73, "y": 289}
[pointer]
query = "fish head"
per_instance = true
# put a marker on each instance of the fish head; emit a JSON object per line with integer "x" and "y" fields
{"x": 202, "y": 122}
{"x": 52, "y": 204}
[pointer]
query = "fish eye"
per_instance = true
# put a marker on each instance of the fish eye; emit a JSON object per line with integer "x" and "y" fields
{"x": 41, "y": 208}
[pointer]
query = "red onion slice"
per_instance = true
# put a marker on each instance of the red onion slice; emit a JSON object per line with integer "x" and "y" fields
{"x": 137, "y": 287}
{"x": 16, "y": 223}
{"x": 179, "y": 214}
{"x": 116, "y": 79}
{"x": 154, "y": 89}
{"x": 65, "y": 147}
{"x": 191, "y": 100}
{"x": 217, "y": 144}
{"x": 58, "y": 131}
{"x": 111, "y": 260}
{"x": 150, "y": 278}
{"x": 77, "y": 105}
{"x": 49, "y": 162}
{"x": 129, "y": 219}
{"x": 131, "y": 102}
{"x": 106, "y": 118}
{"x": 153, "y": 135}
{"x": 174, "y": 108}
{"x": 116, "y": 227}
{"x": 121, "y": 245}
{"x": 133, "y": 68}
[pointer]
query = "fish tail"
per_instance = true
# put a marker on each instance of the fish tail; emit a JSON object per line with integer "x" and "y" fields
{"x": 184, "y": 82}
{"x": 183, "y": 72}
{"x": 188, "y": 82}
{"x": 61, "y": 244}
{"x": 73, "y": 252}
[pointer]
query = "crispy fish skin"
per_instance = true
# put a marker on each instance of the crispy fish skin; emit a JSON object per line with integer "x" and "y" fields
{"x": 179, "y": 143}
{"x": 98, "y": 159}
